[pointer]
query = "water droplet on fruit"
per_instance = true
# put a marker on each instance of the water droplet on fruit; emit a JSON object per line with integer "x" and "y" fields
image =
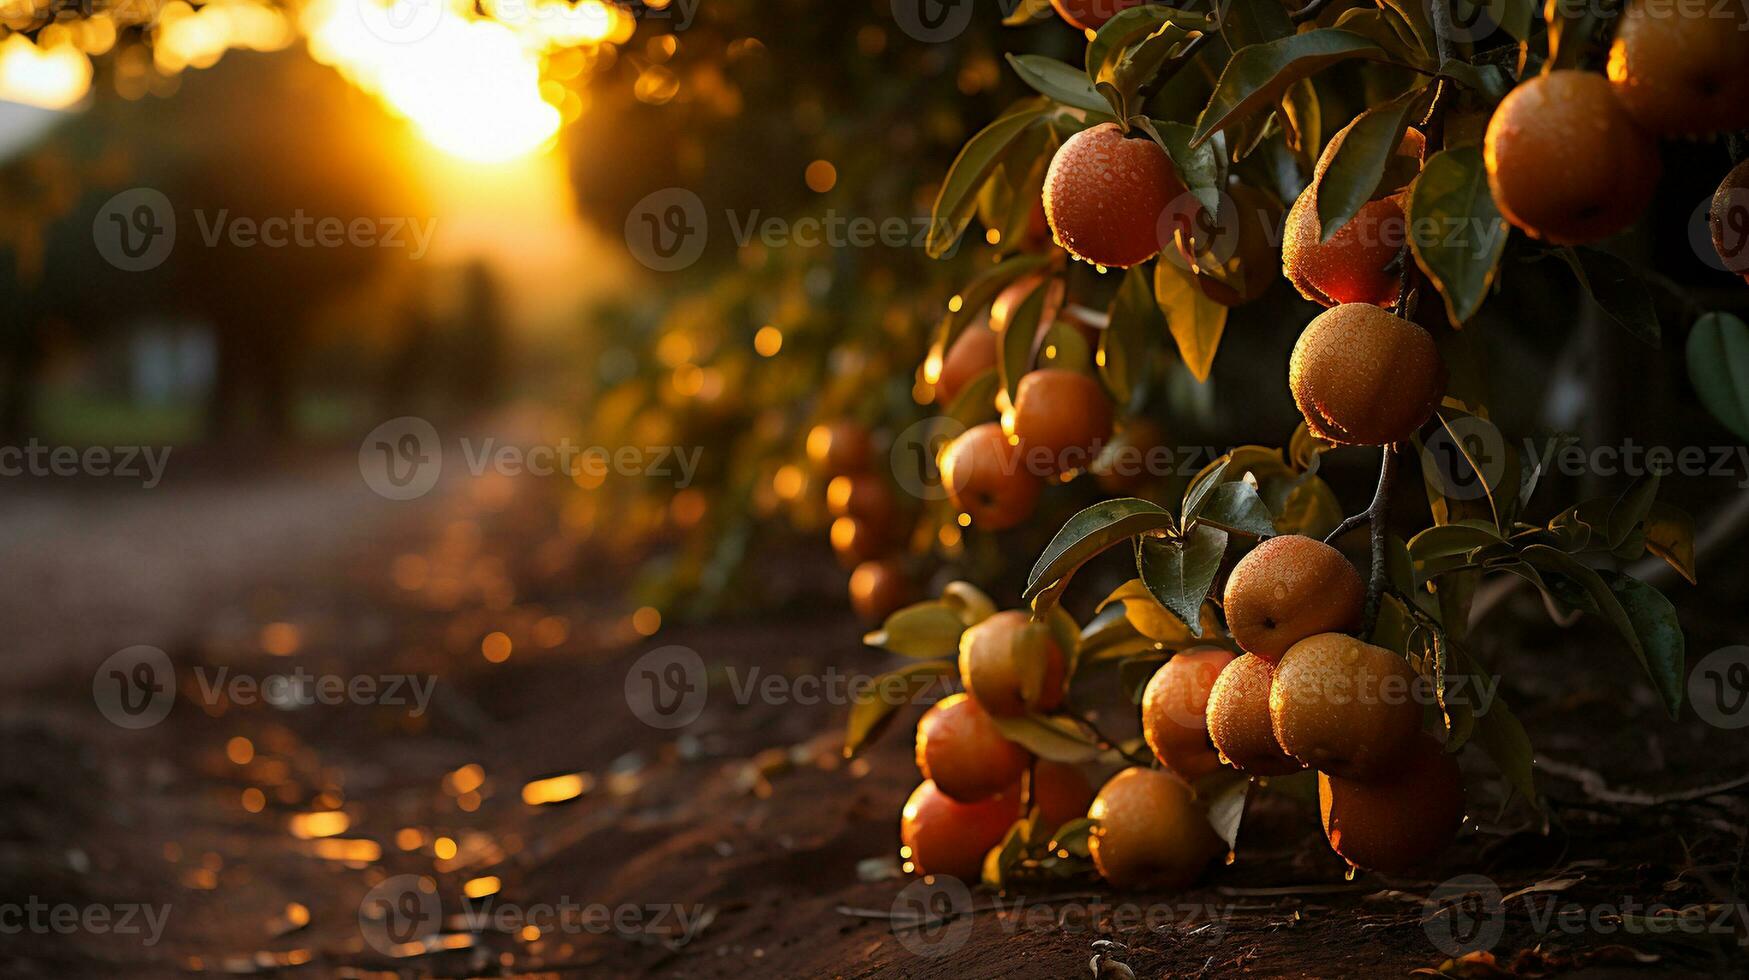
{"x": 1231, "y": 857}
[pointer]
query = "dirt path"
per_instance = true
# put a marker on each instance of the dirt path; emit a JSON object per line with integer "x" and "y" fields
{"x": 739, "y": 844}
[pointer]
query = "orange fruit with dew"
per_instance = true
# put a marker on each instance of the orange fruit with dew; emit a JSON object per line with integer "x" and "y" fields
{"x": 972, "y": 353}
{"x": 1061, "y": 418}
{"x": 1090, "y": 15}
{"x": 1729, "y": 220}
{"x": 1344, "y": 707}
{"x": 1682, "y": 69}
{"x": 1012, "y": 665}
{"x": 1174, "y": 704}
{"x": 961, "y": 751}
{"x": 1399, "y": 824}
{"x": 1566, "y": 162}
{"x": 839, "y": 447}
{"x": 879, "y": 588}
{"x": 1107, "y": 195}
{"x": 944, "y": 837}
{"x": 1151, "y": 832}
{"x": 1288, "y": 588}
{"x": 1362, "y": 376}
{"x": 1362, "y": 262}
{"x": 984, "y": 477}
{"x": 1238, "y": 719}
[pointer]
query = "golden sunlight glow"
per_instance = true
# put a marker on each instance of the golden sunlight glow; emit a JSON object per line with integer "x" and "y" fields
{"x": 189, "y": 38}
{"x": 50, "y": 77}
{"x": 470, "y": 85}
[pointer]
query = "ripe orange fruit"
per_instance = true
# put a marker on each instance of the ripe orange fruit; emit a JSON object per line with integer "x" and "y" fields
{"x": 1344, "y": 707}
{"x": 1238, "y": 719}
{"x": 1089, "y": 15}
{"x": 1353, "y": 266}
{"x": 1173, "y": 710}
{"x": 960, "y": 750}
{"x": 1106, "y": 195}
{"x": 1061, "y": 418}
{"x": 1060, "y": 791}
{"x": 1682, "y": 70}
{"x": 1288, "y": 588}
{"x": 1151, "y": 832}
{"x": 972, "y": 353}
{"x": 1362, "y": 376}
{"x": 1016, "y": 293}
{"x": 863, "y": 496}
{"x": 1729, "y": 220}
{"x": 996, "y": 658}
{"x": 984, "y": 477}
{"x": 1566, "y": 162}
{"x": 878, "y": 589}
{"x": 1401, "y": 823}
{"x": 943, "y": 837}
{"x": 857, "y": 541}
{"x": 839, "y": 447}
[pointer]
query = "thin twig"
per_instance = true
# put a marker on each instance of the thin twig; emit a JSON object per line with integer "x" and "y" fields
{"x": 1595, "y": 787}
{"x": 1377, "y": 515}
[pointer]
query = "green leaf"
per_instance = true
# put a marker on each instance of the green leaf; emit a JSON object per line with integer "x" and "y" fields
{"x": 1670, "y": 536}
{"x": 1618, "y": 291}
{"x": 1088, "y": 533}
{"x": 1058, "y": 81}
{"x": 1018, "y": 334}
{"x": 1059, "y": 738}
{"x": 1718, "y": 365}
{"x": 1498, "y": 731}
{"x": 1153, "y": 622}
{"x": 1226, "y": 804}
{"x": 1195, "y": 320}
{"x": 873, "y": 705}
{"x": 1452, "y": 539}
{"x": 1179, "y": 572}
{"x": 1200, "y": 487}
{"x": 1120, "y": 80}
{"x": 1259, "y": 74}
{"x": 925, "y": 630}
{"x": 1598, "y": 595}
{"x": 1630, "y": 509}
{"x": 1202, "y": 167}
{"x": 1358, "y": 158}
{"x": 1491, "y": 81}
{"x": 1131, "y": 26}
{"x": 1660, "y": 635}
{"x": 1456, "y": 232}
{"x": 958, "y": 199}
{"x": 1236, "y": 506}
{"x": 1135, "y": 323}
{"x": 1074, "y": 836}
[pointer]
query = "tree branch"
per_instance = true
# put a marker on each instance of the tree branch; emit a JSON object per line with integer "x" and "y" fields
{"x": 1377, "y": 514}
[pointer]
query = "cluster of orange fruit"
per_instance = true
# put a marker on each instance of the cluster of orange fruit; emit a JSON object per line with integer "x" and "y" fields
{"x": 1305, "y": 694}
{"x": 868, "y": 518}
{"x": 1572, "y": 155}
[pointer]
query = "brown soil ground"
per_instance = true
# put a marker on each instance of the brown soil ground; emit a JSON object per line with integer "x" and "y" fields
{"x": 748, "y": 822}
